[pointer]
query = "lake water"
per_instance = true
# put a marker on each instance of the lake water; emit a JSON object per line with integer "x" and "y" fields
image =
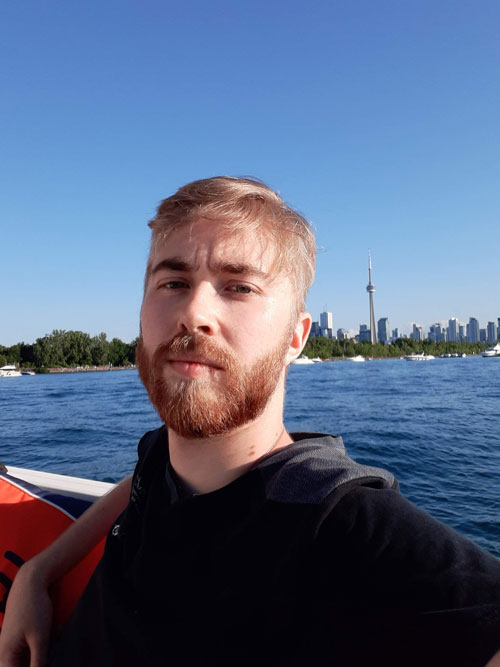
{"x": 435, "y": 425}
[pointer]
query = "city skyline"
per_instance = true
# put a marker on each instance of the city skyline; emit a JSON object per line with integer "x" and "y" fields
{"x": 380, "y": 330}
{"x": 381, "y": 129}
{"x": 448, "y": 330}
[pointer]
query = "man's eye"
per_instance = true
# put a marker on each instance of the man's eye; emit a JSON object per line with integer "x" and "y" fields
{"x": 173, "y": 284}
{"x": 242, "y": 289}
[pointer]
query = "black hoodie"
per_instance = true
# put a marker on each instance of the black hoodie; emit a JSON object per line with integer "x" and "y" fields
{"x": 307, "y": 559}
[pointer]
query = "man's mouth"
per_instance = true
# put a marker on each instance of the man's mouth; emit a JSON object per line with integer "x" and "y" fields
{"x": 193, "y": 367}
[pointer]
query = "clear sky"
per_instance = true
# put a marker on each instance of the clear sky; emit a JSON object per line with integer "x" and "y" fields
{"x": 378, "y": 120}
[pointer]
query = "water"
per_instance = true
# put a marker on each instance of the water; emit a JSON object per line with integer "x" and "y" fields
{"x": 435, "y": 425}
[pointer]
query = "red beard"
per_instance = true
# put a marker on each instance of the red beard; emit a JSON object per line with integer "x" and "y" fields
{"x": 201, "y": 408}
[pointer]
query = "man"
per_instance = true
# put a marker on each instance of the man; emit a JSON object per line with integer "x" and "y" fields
{"x": 240, "y": 543}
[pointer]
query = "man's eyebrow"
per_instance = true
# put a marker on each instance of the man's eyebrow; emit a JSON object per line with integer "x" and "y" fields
{"x": 235, "y": 268}
{"x": 172, "y": 264}
{"x": 240, "y": 268}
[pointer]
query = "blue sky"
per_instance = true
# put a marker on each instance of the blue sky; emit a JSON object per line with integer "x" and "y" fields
{"x": 378, "y": 120}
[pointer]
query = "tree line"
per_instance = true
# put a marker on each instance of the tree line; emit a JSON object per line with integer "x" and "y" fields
{"x": 67, "y": 349}
{"x": 326, "y": 348}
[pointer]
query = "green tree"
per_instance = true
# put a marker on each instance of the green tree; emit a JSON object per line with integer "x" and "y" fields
{"x": 77, "y": 348}
{"x": 132, "y": 350}
{"x": 118, "y": 352}
{"x": 99, "y": 350}
{"x": 27, "y": 354}
{"x": 48, "y": 351}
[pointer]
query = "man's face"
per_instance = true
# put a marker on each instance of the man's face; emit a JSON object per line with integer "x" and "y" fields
{"x": 216, "y": 329}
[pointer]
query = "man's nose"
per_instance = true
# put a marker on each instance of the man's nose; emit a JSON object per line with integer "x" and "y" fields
{"x": 198, "y": 311}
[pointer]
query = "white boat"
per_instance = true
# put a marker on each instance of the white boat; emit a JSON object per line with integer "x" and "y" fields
{"x": 358, "y": 358}
{"x": 303, "y": 360}
{"x": 493, "y": 351}
{"x": 316, "y": 360}
{"x": 419, "y": 357}
{"x": 9, "y": 371}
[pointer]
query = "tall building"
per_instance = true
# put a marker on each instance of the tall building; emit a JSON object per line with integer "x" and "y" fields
{"x": 452, "y": 332}
{"x": 326, "y": 324}
{"x": 437, "y": 333}
{"x": 370, "y": 288}
{"x": 315, "y": 330}
{"x": 364, "y": 333}
{"x": 462, "y": 337}
{"x": 417, "y": 333}
{"x": 383, "y": 330}
{"x": 491, "y": 333}
{"x": 498, "y": 329}
{"x": 473, "y": 330}
{"x": 395, "y": 334}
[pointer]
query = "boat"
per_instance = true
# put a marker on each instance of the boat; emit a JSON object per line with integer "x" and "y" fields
{"x": 74, "y": 487}
{"x": 35, "y": 508}
{"x": 9, "y": 371}
{"x": 27, "y": 372}
{"x": 316, "y": 360}
{"x": 358, "y": 358}
{"x": 493, "y": 351}
{"x": 419, "y": 357}
{"x": 302, "y": 360}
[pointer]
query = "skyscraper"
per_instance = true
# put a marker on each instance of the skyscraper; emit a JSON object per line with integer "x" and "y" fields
{"x": 383, "y": 330}
{"x": 417, "y": 333}
{"x": 364, "y": 333}
{"x": 491, "y": 333}
{"x": 370, "y": 288}
{"x": 453, "y": 329}
{"x": 326, "y": 324}
{"x": 315, "y": 330}
{"x": 473, "y": 330}
{"x": 436, "y": 332}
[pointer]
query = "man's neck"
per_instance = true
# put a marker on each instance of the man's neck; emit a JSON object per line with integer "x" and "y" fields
{"x": 208, "y": 464}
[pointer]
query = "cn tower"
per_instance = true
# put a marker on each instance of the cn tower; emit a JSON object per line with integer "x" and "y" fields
{"x": 370, "y": 288}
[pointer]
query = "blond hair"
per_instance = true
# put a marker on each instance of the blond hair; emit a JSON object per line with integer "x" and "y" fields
{"x": 244, "y": 204}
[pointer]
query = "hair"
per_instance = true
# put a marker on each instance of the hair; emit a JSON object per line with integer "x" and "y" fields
{"x": 244, "y": 204}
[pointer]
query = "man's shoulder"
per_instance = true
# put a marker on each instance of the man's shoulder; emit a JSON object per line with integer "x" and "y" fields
{"x": 315, "y": 467}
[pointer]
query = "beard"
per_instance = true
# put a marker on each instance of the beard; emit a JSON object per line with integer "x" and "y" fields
{"x": 206, "y": 407}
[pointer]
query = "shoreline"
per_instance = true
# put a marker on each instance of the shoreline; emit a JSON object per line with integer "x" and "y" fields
{"x": 89, "y": 369}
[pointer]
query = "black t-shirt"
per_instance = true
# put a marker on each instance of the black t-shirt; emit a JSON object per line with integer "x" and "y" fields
{"x": 307, "y": 559}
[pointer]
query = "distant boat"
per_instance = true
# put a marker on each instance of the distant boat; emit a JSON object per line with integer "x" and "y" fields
{"x": 27, "y": 372}
{"x": 358, "y": 358}
{"x": 303, "y": 360}
{"x": 9, "y": 371}
{"x": 316, "y": 360}
{"x": 493, "y": 351}
{"x": 419, "y": 357}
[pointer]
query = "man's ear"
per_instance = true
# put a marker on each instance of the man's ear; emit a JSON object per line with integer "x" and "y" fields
{"x": 299, "y": 336}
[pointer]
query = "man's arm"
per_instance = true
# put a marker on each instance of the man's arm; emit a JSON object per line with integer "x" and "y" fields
{"x": 28, "y": 616}
{"x": 420, "y": 583}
